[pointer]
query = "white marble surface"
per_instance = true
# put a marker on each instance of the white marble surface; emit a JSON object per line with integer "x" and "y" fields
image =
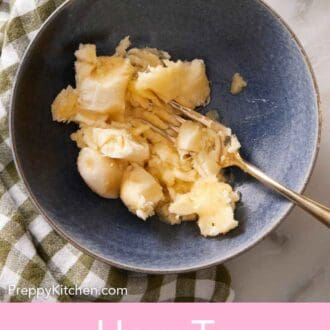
{"x": 293, "y": 263}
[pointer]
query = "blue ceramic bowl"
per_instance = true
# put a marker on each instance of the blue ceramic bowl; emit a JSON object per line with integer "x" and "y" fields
{"x": 276, "y": 119}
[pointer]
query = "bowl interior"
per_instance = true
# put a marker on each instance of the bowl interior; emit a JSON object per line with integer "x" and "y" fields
{"x": 275, "y": 118}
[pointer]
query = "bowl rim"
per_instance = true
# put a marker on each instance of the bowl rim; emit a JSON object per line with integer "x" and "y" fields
{"x": 176, "y": 270}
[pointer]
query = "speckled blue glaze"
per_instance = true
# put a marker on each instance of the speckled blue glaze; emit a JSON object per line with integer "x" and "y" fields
{"x": 275, "y": 118}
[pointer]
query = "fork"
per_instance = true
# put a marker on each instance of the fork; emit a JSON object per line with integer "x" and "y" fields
{"x": 317, "y": 210}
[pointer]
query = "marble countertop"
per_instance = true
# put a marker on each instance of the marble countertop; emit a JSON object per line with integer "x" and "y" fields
{"x": 293, "y": 263}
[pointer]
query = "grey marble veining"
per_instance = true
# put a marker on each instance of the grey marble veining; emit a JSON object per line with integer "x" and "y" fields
{"x": 293, "y": 263}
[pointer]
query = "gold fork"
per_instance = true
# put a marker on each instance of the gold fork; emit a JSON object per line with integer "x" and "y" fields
{"x": 316, "y": 209}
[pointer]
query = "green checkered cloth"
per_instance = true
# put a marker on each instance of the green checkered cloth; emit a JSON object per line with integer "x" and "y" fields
{"x": 32, "y": 254}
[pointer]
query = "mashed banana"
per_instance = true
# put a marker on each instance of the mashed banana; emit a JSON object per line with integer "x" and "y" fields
{"x": 237, "y": 84}
{"x": 123, "y": 156}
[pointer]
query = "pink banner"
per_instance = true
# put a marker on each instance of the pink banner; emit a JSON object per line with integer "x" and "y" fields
{"x": 164, "y": 316}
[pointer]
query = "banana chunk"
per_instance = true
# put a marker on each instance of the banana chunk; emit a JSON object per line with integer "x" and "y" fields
{"x": 102, "y": 83}
{"x": 140, "y": 192}
{"x": 238, "y": 84}
{"x": 115, "y": 143}
{"x": 190, "y": 137}
{"x": 213, "y": 202}
{"x": 102, "y": 174}
{"x": 64, "y": 107}
{"x": 185, "y": 82}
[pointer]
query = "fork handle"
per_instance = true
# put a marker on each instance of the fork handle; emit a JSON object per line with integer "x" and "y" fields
{"x": 319, "y": 211}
